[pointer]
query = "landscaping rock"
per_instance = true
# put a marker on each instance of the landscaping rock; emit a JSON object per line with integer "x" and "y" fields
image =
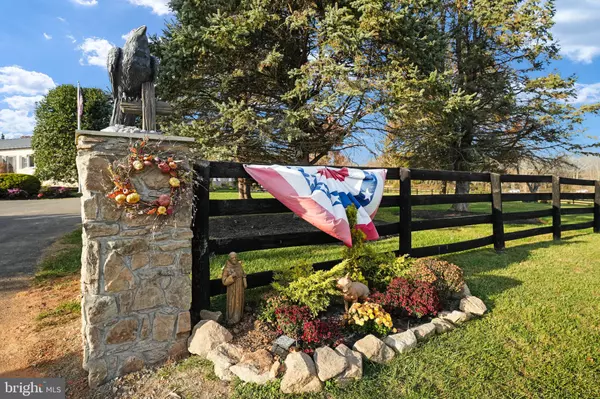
{"x": 424, "y": 331}
{"x": 256, "y": 367}
{"x": 354, "y": 369}
{"x": 281, "y": 346}
{"x": 208, "y": 315}
{"x": 329, "y": 363}
{"x": 206, "y": 336}
{"x": 442, "y": 326}
{"x": 223, "y": 357}
{"x": 465, "y": 290}
{"x": 401, "y": 342}
{"x": 373, "y": 349}
{"x": 455, "y": 317}
{"x": 473, "y": 305}
{"x": 300, "y": 375}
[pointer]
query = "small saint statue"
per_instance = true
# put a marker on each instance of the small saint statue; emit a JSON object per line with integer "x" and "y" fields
{"x": 234, "y": 279}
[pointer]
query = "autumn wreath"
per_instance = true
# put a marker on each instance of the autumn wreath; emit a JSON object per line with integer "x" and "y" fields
{"x": 143, "y": 155}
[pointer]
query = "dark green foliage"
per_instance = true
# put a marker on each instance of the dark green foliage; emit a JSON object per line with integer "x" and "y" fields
{"x": 29, "y": 183}
{"x": 284, "y": 277}
{"x": 54, "y": 134}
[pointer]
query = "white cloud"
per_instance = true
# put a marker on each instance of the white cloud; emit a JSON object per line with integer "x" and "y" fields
{"x": 71, "y": 38}
{"x": 587, "y": 93}
{"x": 577, "y": 29}
{"x": 159, "y": 7}
{"x": 16, "y": 80}
{"x": 25, "y": 103}
{"x": 95, "y": 50}
{"x": 47, "y": 36}
{"x": 126, "y": 36}
{"x": 16, "y": 122}
{"x": 85, "y": 2}
{"x": 61, "y": 19}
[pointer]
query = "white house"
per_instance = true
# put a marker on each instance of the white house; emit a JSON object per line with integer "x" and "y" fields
{"x": 16, "y": 156}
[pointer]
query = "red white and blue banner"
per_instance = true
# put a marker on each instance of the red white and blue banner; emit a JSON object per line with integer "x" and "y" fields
{"x": 320, "y": 195}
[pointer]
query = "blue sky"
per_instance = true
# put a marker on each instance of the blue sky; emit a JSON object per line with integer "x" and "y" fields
{"x": 44, "y": 43}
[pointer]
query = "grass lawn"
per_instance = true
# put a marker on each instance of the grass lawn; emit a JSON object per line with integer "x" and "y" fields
{"x": 540, "y": 339}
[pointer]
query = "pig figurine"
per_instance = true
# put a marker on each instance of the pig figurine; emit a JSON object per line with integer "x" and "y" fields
{"x": 353, "y": 291}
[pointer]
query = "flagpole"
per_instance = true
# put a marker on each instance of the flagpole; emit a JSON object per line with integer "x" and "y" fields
{"x": 78, "y": 107}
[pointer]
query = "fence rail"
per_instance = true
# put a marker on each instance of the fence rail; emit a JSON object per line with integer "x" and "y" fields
{"x": 203, "y": 288}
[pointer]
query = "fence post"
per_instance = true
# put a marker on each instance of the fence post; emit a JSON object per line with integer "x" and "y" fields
{"x": 405, "y": 213}
{"x": 597, "y": 208}
{"x": 200, "y": 250}
{"x": 497, "y": 217}
{"x": 556, "y": 207}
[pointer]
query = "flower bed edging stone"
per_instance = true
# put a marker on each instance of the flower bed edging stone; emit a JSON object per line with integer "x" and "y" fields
{"x": 329, "y": 363}
{"x": 373, "y": 349}
{"x": 402, "y": 342}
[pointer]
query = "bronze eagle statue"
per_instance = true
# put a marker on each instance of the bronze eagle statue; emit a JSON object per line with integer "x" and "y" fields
{"x": 128, "y": 68}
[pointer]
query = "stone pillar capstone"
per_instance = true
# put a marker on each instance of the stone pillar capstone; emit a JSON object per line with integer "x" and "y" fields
{"x": 135, "y": 272}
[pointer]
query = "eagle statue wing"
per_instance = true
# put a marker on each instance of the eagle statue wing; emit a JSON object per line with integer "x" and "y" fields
{"x": 113, "y": 63}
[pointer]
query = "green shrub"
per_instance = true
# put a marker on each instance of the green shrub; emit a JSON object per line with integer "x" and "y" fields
{"x": 314, "y": 291}
{"x": 29, "y": 183}
{"x": 367, "y": 266}
{"x": 447, "y": 278}
{"x": 271, "y": 302}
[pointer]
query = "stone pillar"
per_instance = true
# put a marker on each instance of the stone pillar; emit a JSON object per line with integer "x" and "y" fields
{"x": 135, "y": 274}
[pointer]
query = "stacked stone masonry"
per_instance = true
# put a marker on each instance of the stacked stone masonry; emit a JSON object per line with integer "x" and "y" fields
{"x": 135, "y": 277}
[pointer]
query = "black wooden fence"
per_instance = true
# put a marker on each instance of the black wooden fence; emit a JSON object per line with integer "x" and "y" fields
{"x": 203, "y": 287}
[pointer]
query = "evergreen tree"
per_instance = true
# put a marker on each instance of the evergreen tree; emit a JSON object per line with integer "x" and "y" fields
{"x": 53, "y": 139}
{"x": 490, "y": 102}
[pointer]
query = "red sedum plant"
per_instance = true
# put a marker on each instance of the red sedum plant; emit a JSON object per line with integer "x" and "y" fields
{"x": 318, "y": 333}
{"x": 413, "y": 298}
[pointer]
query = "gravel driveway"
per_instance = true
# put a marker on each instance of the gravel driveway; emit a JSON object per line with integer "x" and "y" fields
{"x": 26, "y": 228}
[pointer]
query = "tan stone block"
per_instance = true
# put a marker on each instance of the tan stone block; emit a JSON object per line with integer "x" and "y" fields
{"x": 117, "y": 277}
{"x": 125, "y": 300}
{"x": 94, "y": 229}
{"x": 145, "y": 330}
{"x": 97, "y": 373}
{"x": 148, "y": 296}
{"x": 184, "y": 323}
{"x": 163, "y": 326}
{"x": 93, "y": 339}
{"x": 89, "y": 208}
{"x": 170, "y": 246}
{"x": 178, "y": 350}
{"x": 139, "y": 260}
{"x": 154, "y": 179}
{"x": 124, "y": 331}
{"x": 90, "y": 258}
{"x": 182, "y": 234}
{"x": 160, "y": 259}
{"x": 108, "y": 209}
{"x": 99, "y": 308}
{"x": 129, "y": 246}
{"x": 185, "y": 262}
{"x": 131, "y": 364}
{"x": 179, "y": 293}
{"x": 94, "y": 174}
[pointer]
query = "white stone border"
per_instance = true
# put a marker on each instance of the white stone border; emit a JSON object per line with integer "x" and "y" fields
{"x": 306, "y": 374}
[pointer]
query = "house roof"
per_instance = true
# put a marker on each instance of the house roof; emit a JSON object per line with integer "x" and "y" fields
{"x": 13, "y": 144}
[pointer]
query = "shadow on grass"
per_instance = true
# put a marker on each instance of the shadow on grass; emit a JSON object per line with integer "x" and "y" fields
{"x": 477, "y": 265}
